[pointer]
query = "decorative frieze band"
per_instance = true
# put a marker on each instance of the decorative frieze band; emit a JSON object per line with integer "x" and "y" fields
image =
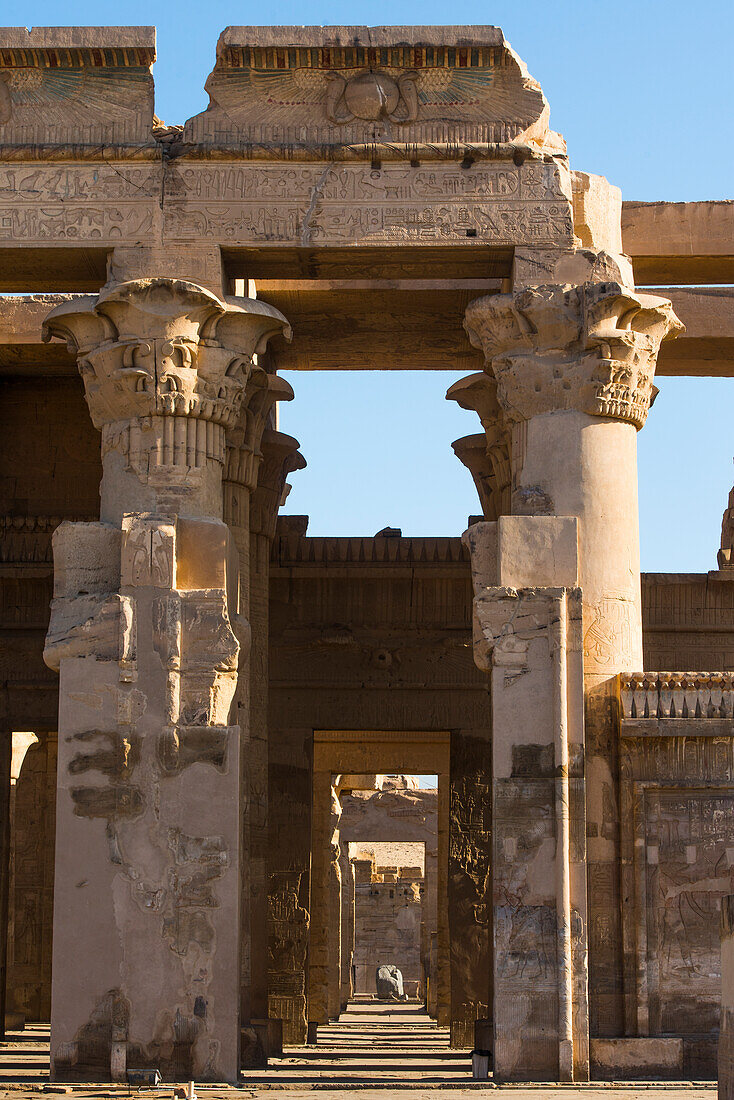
{"x": 669, "y": 695}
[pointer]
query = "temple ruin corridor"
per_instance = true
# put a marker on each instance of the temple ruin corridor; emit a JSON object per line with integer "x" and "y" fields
{"x": 214, "y": 839}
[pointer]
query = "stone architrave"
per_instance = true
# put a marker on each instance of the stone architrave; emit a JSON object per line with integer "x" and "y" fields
{"x": 726, "y": 1035}
{"x": 574, "y": 366}
{"x": 141, "y": 631}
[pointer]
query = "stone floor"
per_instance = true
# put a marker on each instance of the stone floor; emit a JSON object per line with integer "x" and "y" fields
{"x": 374, "y": 1048}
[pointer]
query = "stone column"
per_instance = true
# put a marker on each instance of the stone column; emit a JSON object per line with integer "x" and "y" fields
{"x": 21, "y": 741}
{"x": 347, "y": 926}
{"x": 726, "y": 1035}
{"x": 5, "y": 754}
{"x": 335, "y": 932}
{"x": 279, "y": 457}
{"x": 324, "y": 853}
{"x": 141, "y": 631}
{"x": 487, "y": 456}
{"x": 573, "y": 367}
{"x": 289, "y": 871}
{"x": 244, "y": 458}
{"x": 469, "y": 885}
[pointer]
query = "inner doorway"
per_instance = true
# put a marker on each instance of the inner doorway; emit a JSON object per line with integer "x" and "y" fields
{"x": 379, "y": 864}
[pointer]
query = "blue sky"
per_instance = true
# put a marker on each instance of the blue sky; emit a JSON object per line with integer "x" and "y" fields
{"x": 642, "y": 92}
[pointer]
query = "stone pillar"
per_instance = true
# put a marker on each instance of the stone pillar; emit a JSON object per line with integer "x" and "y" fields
{"x": 726, "y": 1034}
{"x": 573, "y": 367}
{"x": 5, "y": 754}
{"x": 324, "y": 853}
{"x": 347, "y": 927}
{"x": 141, "y": 631}
{"x": 244, "y": 459}
{"x": 279, "y": 457}
{"x": 22, "y": 741}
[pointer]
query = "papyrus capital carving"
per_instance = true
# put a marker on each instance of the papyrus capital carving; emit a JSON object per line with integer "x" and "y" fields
{"x": 489, "y": 457}
{"x": 164, "y": 348}
{"x": 591, "y": 347}
{"x": 244, "y": 452}
{"x": 280, "y": 457}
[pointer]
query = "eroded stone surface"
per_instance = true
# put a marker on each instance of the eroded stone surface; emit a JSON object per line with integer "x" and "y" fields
{"x": 379, "y": 181}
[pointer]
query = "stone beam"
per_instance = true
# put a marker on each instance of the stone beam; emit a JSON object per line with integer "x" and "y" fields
{"x": 407, "y": 324}
{"x": 679, "y": 242}
{"x": 403, "y": 327}
{"x": 706, "y": 349}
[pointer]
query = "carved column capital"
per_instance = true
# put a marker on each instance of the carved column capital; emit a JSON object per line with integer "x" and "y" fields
{"x": 489, "y": 457}
{"x": 280, "y": 457}
{"x": 244, "y": 453}
{"x": 591, "y": 348}
{"x": 165, "y": 358}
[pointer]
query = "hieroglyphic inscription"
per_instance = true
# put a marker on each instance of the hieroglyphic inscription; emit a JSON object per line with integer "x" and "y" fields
{"x": 690, "y": 858}
{"x": 677, "y": 814}
{"x": 347, "y": 203}
{"x": 297, "y": 204}
{"x": 77, "y": 202}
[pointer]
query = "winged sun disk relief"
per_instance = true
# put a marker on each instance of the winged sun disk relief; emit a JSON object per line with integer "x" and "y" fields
{"x": 427, "y": 94}
{"x": 372, "y": 96}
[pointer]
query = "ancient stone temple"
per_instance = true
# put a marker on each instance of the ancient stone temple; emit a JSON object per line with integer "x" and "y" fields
{"x": 197, "y": 699}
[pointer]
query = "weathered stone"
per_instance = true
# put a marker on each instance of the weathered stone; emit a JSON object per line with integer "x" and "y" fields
{"x": 389, "y": 983}
{"x": 726, "y": 1038}
{"x": 149, "y": 607}
{"x": 215, "y": 683}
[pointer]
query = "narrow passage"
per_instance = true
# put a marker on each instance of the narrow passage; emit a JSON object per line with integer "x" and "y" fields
{"x": 372, "y": 1043}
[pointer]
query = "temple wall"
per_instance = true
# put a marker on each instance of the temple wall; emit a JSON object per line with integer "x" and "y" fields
{"x": 388, "y": 931}
{"x": 688, "y": 621}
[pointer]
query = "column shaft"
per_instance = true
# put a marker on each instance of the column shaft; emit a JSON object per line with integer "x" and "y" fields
{"x": 347, "y": 926}
{"x": 726, "y": 1035}
{"x": 5, "y": 754}
{"x": 318, "y": 953}
{"x": 557, "y": 615}
{"x": 148, "y": 825}
{"x": 279, "y": 456}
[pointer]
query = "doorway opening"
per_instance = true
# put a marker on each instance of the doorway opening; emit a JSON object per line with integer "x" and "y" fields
{"x": 378, "y": 998}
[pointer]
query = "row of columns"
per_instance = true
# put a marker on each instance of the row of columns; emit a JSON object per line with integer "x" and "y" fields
{"x": 159, "y": 633}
